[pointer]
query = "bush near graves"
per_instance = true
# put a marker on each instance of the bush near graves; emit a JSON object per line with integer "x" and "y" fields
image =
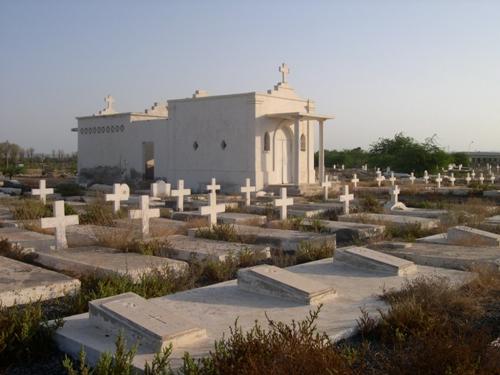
{"x": 69, "y": 189}
{"x": 31, "y": 209}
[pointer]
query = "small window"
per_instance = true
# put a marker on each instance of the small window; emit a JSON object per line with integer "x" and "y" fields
{"x": 223, "y": 144}
{"x": 302, "y": 142}
{"x": 267, "y": 142}
{"x": 195, "y": 145}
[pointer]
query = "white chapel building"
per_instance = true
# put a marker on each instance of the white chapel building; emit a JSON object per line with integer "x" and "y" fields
{"x": 268, "y": 137}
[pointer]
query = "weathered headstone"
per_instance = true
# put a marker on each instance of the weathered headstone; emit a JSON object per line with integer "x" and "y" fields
{"x": 394, "y": 203}
{"x": 42, "y": 191}
{"x": 121, "y": 192}
{"x": 247, "y": 190}
{"x": 160, "y": 189}
{"x": 283, "y": 202}
{"x": 59, "y": 222}
{"x": 144, "y": 213}
{"x": 180, "y": 193}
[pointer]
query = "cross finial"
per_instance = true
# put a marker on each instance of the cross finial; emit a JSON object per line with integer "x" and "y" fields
{"x": 109, "y": 103}
{"x": 284, "y": 70}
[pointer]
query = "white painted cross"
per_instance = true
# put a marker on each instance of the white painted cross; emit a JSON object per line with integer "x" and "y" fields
{"x": 121, "y": 192}
{"x": 144, "y": 213}
{"x": 346, "y": 198}
{"x": 379, "y": 178}
{"x": 481, "y": 178}
{"x": 59, "y": 222}
{"x": 283, "y": 202}
{"x": 395, "y": 195}
{"x": 426, "y": 177}
{"x": 342, "y": 167}
{"x": 452, "y": 179}
{"x": 438, "y": 180}
{"x": 473, "y": 174}
{"x": 213, "y": 208}
{"x": 180, "y": 193}
{"x": 412, "y": 178}
{"x": 326, "y": 185}
{"x": 247, "y": 189}
{"x": 160, "y": 189}
{"x": 392, "y": 179}
{"x": 42, "y": 191}
{"x": 468, "y": 179}
{"x": 213, "y": 187}
{"x": 355, "y": 180}
{"x": 492, "y": 178}
{"x": 284, "y": 70}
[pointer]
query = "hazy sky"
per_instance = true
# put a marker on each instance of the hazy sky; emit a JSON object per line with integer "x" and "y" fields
{"x": 421, "y": 67}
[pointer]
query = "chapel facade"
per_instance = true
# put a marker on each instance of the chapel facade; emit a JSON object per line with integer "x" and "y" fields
{"x": 268, "y": 137}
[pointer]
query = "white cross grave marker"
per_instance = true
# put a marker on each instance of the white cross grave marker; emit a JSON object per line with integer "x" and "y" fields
{"x": 342, "y": 167}
{"x": 180, "y": 193}
{"x": 355, "y": 180}
{"x": 426, "y": 177}
{"x": 121, "y": 192}
{"x": 395, "y": 195}
{"x": 283, "y": 202}
{"x": 473, "y": 174}
{"x": 247, "y": 189}
{"x": 326, "y": 185}
{"x": 346, "y": 198}
{"x": 59, "y": 222}
{"x": 392, "y": 179}
{"x": 42, "y": 191}
{"x": 492, "y": 178}
{"x": 144, "y": 213}
{"x": 481, "y": 178}
{"x": 438, "y": 180}
{"x": 468, "y": 178}
{"x": 412, "y": 178}
{"x": 213, "y": 187}
{"x": 379, "y": 178}
{"x": 160, "y": 189}
{"x": 452, "y": 179}
{"x": 213, "y": 208}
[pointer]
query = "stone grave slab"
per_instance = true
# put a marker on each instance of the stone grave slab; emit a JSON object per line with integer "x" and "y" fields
{"x": 391, "y": 220}
{"x": 27, "y": 239}
{"x": 216, "y": 307}
{"x": 305, "y": 213}
{"x": 287, "y": 240}
{"x": 494, "y": 220}
{"x": 419, "y": 212}
{"x": 445, "y": 256}
{"x": 185, "y": 248}
{"x": 102, "y": 260}
{"x": 492, "y": 193}
{"x": 277, "y": 282}
{"x": 472, "y": 235}
{"x": 21, "y": 283}
{"x": 158, "y": 226}
{"x": 241, "y": 218}
{"x": 347, "y": 231}
{"x": 374, "y": 260}
{"x": 143, "y": 321}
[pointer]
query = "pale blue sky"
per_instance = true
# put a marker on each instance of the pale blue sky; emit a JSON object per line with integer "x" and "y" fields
{"x": 421, "y": 67}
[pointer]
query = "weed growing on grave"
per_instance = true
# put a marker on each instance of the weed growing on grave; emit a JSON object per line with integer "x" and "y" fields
{"x": 308, "y": 252}
{"x": 25, "y": 333}
{"x": 98, "y": 213}
{"x": 9, "y": 250}
{"x": 69, "y": 189}
{"x": 219, "y": 232}
{"x": 369, "y": 203}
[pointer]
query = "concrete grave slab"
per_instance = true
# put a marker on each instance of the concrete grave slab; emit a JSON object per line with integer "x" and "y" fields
{"x": 102, "y": 260}
{"x": 492, "y": 193}
{"x": 217, "y": 306}
{"x": 446, "y": 256}
{"x": 143, "y": 322}
{"x": 287, "y": 240}
{"x": 419, "y": 212}
{"x": 21, "y": 283}
{"x": 472, "y": 235}
{"x": 281, "y": 283}
{"x": 27, "y": 239}
{"x": 157, "y": 226}
{"x": 391, "y": 220}
{"x": 185, "y": 248}
{"x": 370, "y": 259}
{"x": 241, "y": 218}
{"x": 347, "y": 231}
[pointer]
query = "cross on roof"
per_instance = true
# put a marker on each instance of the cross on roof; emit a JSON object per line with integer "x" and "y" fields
{"x": 247, "y": 189}
{"x": 326, "y": 185}
{"x": 213, "y": 208}
{"x": 346, "y": 198}
{"x": 109, "y": 103}
{"x": 283, "y": 202}
{"x": 144, "y": 213}
{"x": 59, "y": 222}
{"x": 355, "y": 180}
{"x": 284, "y": 70}
{"x": 42, "y": 191}
{"x": 121, "y": 192}
{"x": 180, "y": 193}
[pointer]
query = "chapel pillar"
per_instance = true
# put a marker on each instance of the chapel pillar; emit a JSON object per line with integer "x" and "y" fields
{"x": 296, "y": 133}
{"x": 321, "y": 153}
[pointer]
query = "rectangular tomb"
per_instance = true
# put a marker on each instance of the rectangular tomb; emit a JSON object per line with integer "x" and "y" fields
{"x": 396, "y": 220}
{"x": 277, "y": 282}
{"x": 472, "y": 236}
{"x": 144, "y": 322}
{"x": 376, "y": 261}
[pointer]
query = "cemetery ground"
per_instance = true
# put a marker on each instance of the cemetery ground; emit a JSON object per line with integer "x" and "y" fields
{"x": 441, "y": 321}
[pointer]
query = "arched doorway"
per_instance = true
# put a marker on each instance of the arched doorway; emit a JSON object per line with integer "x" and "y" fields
{"x": 282, "y": 156}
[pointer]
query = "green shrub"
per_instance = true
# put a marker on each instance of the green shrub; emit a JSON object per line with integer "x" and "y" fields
{"x": 219, "y": 232}
{"x": 308, "y": 252}
{"x": 98, "y": 213}
{"x": 69, "y": 189}
{"x": 369, "y": 203}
